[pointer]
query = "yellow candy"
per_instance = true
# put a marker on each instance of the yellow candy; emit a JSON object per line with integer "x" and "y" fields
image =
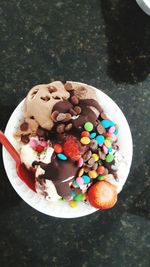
{"x": 72, "y": 203}
{"x": 107, "y": 143}
{"x": 93, "y": 174}
{"x": 95, "y": 156}
{"x": 81, "y": 171}
{"x": 85, "y": 140}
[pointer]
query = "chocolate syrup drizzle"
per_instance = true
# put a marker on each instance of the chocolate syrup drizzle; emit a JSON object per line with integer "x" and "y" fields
{"x": 58, "y": 171}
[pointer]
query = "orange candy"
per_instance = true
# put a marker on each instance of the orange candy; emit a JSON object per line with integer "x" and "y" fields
{"x": 85, "y": 134}
{"x": 58, "y": 148}
{"x": 100, "y": 169}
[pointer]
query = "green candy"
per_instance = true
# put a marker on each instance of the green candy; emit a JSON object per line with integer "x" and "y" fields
{"x": 109, "y": 158}
{"x": 88, "y": 126}
{"x": 78, "y": 198}
{"x": 101, "y": 177}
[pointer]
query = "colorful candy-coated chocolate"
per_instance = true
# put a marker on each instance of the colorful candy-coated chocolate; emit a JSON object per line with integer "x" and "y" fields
{"x": 80, "y": 180}
{"x": 100, "y": 170}
{"x": 88, "y": 126}
{"x": 92, "y": 135}
{"x": 73, "y": 203}
{"x": 95, "y": 156}
{"x": 110, "y": 149}
{"x": 111, "y": 129}
{"x": 109, "y": 158}
{"x": 85, "y": 134}
{"x": 86, "y": 179}
{"x": 114, "y": 137}
{"x": 116, "y": 132}
{"x": 78, "y": 198}
{"x": 102, "y": 177}
{"x": 93, "y": 174}
{"x": 107, "y": 123}
{"x": 33, "y": 143}
{"x": 61, "y": 156}
{"x": 80, "y": 162}
{"x": 85, "y": 140}
{"x": 75, "y": 185}
{"x": 105, "y": 149}
{"x": 107, "y": 143}
{"x": 58, "y": 148}
{"x": 81, "y": 171}
{"x": 73, "y": 194}
{"x": 100, "y": 139}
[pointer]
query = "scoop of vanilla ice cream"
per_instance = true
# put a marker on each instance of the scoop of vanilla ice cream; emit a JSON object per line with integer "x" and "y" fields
{"x": 28, "y": 155}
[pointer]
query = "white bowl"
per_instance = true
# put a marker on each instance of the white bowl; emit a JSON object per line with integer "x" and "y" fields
{"x": 62, "y": 209}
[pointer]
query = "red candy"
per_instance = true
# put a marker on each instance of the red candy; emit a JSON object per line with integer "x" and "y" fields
{"x": 71, "y": 148}
{"x": 58, "y": 148}
{"x": 85, "y": 134}
{"x": 100, "y": 169}
{"x": 39, "y": 148}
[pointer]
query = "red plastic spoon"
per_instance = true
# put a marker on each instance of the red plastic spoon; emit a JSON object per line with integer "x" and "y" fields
{"x": 26, "y": 176}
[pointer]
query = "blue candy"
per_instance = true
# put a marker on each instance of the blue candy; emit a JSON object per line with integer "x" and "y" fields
{"x": 92, "y": 135}
{"x": 61, "y": 156}
{"x": 107, "y": 123}
{"x": 100, "y": 139}
{"x": 86, "y": 179}
{"x": 75, "y": 183}
{"x": 73, "y": 194}
{"x": 116, "y": 132}
{"x": 110, "y": 149}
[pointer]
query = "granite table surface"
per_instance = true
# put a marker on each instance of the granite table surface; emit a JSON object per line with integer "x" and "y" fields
{"x": 106, "y": 44}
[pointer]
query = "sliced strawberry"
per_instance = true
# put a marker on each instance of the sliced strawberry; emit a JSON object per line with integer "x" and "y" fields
{"x": 102, "y": 195}
{"x": 71, "y": 148}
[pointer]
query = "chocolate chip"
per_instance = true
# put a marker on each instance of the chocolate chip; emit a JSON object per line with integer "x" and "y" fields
{"x": 100, "y": 129}
{"x": 68, "y": 127}
{"x": 25, "y": 139}
{"x": 77, "y": 109}
{"x": 73, "y": 112}
{"x": 68, "y": 117}
{"x": 95, "y": 166}
{"x": 68, "y": 86}
{"x": 87, "y": 155}
{"x": 77, "y": 191}
{"x": 115, "y": 146}
{"x": 54, "y": 115}
{"x": 99, "y": 152}
{"x": 93, "y": 145}
{"x": 104, "y": 116}
{"x": 24, "y": 126}
{"x": 61, "y": 117}
{"x": 60, "y": 128}
{"x": 91, "y": 161}
{"x": 40, "y": 132}
{"x": 74, "y": 100}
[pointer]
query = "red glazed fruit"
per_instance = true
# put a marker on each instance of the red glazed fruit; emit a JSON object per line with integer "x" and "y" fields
{"x": 102, "y": 195}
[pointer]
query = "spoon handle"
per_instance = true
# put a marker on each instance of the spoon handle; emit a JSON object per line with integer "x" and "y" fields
{"x": 12, "y": 151}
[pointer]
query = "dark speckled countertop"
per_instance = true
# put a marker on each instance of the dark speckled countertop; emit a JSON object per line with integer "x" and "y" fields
{"x": 106, "y": 44}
